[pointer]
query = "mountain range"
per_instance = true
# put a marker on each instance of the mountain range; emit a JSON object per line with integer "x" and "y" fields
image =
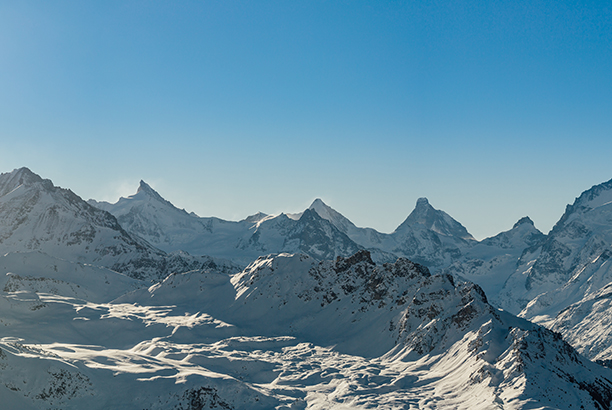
{"x": 306, "y": 310}
{"x": 427, "y": 236}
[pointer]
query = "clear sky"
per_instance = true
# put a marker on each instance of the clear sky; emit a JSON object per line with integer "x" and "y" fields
{"x": 491, "y": 109}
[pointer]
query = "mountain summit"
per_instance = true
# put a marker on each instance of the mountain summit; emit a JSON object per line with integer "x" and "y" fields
{"x": 523, "y": 220}
{"x": 426, "y": 216}
{"x": 431, "y": 237}
{"x": 336, "y": 218}
{"x": 596, "y": 197}
{"x": 35, "y": 215}
{"x": 18, "y": 177}
{"x": 146, "y": 189}
{"x": 564, "y": 283}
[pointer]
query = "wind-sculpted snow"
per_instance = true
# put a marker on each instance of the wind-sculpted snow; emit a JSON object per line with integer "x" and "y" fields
{"x": 329, "y": 302}
{"x": 431, "y": 317}
{"x": 40, "y": 273}
{"x": 289, "y": 331}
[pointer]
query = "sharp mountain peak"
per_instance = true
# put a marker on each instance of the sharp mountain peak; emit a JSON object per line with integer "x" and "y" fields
{"x": 147, "y": 190}
{"x": 523, "y": 220}
{"x": 423, "y": 202}
{"x": 318, "y": 202}
{"x": 426, "y": 216}
{"x": 321, "y": 208}
{"x": 143, "y": 186}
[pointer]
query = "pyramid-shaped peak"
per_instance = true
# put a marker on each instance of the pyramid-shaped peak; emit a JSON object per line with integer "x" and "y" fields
{"x": 324, "y": 211}
{"x": 422, "y": 209}
{"x": 426, "y": 216}
{"x": 146, "y": 189}
{"x": 423, "y": 214}
{"x": 338, "y": 220}
{"x": 318, "y": 205}
{"x": 523, "y": 220}
{"x": 309, "y": 214}
{"x": 422, "y": 202}
{"x": 317, "y": 202}
{"x": 327, "y": 212}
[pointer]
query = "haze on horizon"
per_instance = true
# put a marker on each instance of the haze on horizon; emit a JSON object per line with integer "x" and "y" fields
{"x": 492, "y": 111}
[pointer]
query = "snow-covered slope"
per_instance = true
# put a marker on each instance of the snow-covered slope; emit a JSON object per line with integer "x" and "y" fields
{"x": 147, "y": 215}
{"x": 587, "y": 324}
{"x": 289, "y": 332}
{"x": 35, "y": 215}
{"x": 491, "y": 261}
{"x": 37, "y": 272}
{"x": 366, "y": 310}
{"x": 562, "y": 282}
{"x": 568, "y": 257}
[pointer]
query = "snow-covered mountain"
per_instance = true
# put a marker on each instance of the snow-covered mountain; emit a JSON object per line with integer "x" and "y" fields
{"x": 491, "y": 261}
{"x": 570, "y": 255}
{"x": 35, "y": 215}
{"x": 367, "y": 237}
{"x": 163, "y": 225}
{"x": 319, "y": 326}
{"x": 562, "y": 282}
{"x": 148, "y": 216}
{"x": 431, "y": 237}
{"x": 287, "y": 332}
{"x": 428, "y": 236}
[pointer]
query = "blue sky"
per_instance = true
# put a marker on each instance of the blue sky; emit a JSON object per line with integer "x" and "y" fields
{"x": 493, "y": 110}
